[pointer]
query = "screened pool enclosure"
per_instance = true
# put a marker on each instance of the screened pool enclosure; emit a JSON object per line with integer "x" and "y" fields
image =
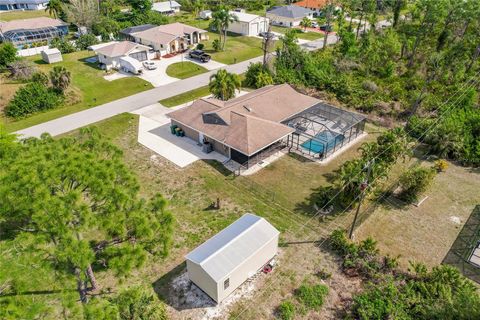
{"x": 21, "y": 38}
{"x": 322, "y": 130}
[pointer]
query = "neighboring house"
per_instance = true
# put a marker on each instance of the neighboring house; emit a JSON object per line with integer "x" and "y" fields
{"x": 127, "y": 33}
{"x": 316, "y": 6}
{"x": 6, "y": 5}
{"x": 235, "y": 254}
{"x": 288, "y": 16}
{"x": 249, "y": 128}
{"x": 166, "y": 7}
{"x": 205, "y": 14}
{"x": 168, "y": 38}
{"x": 248, "y": 24}
{"x": 110, "y": 55}
{"x": 35, "y": 31}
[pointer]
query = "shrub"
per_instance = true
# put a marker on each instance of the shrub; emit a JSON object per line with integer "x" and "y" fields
{"x": 41, "y": 78}
{"x": 200, "y": 46}
{"x": 8, "y": 54}
{"x": 86, "y": 40}
{"x": 32, "y": 98}
{"x": 312, "y": 296}
{"x": 63, "y": 45}
{"x": 257, "y": 76}
{"x": 286, "y": 310}
{"x": 60, "y": 78}
{"x": 22, "y": 70}
{"x": 217, "y": 46}
{"x": 415, "y": 181}
{"x": 441, "y": 165}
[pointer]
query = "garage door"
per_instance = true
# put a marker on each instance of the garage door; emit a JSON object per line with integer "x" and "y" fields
{"x": 140, "y": 56}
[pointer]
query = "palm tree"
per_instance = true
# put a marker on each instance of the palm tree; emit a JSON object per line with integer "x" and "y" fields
{"x": 223, "y": 84}
{"x": 60, "y": 78}
{"x": 54, "y": 7}
{"x": 222, "y": 19}
{"x": 305, "y": 23}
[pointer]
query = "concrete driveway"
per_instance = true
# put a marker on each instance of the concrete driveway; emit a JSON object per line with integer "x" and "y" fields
{"x": 159, "y": 77}
{"x": 154, "y": 133}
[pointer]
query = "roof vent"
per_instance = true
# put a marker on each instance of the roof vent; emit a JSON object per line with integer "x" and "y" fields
{"x": 248, "y": 108}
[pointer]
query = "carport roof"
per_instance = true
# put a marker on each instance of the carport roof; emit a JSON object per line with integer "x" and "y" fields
{"x": 225, "y": 251}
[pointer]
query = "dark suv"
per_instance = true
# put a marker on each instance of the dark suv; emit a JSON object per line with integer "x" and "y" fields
{"x": 199, "y": 55}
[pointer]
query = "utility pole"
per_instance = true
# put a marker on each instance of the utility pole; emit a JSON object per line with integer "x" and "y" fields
{"x": 363, "y": 188}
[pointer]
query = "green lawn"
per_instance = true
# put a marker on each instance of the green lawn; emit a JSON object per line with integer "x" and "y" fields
{"x": 87, "y": 83}
{"x": 185, "y": 97}
{"x": 183, "y": 70}
{"x": 188, "y": 18}
{"x": 15, "y": 15}
{"x": 238, "y": 48}
{"x": 300, "y": 34}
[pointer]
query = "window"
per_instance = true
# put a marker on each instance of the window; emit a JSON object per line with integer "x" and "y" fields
{"x": 226, "y": 284}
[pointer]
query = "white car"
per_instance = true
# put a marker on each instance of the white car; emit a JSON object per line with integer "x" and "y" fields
{"x": 149, "y": 65}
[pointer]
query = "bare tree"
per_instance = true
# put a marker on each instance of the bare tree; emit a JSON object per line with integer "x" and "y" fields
{"x": 82, "y": 13}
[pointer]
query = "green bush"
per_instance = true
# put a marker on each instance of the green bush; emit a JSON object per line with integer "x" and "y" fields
{"x": 312, "y": 296}
{"x": 257, "y": 76}
{"x": 32, "y": 98}
{"x": 8, "y": 54}
{"x": 40, "y": 77}
{"x": 86, "y": 40}
{"x": 415, "y": 181}
{"x": 217, "y": 46}
{"x": 62, "y": 44}
{"x": 200, "y": 46}
{"x": 286, "y": 310}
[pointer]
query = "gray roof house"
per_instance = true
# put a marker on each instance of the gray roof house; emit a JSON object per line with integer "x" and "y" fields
{"x": 166, "y": 7}
{"x": 7, "y": 5}
{"x": 288, "y": 16}
{"x": 225, "y": 261}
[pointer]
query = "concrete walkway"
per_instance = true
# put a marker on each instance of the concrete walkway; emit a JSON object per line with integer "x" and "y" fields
{"x": 128, "y": 104}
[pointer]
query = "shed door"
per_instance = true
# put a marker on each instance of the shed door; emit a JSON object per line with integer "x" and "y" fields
{"x": 254, "y": 29}
{"x": 140, "y": 56}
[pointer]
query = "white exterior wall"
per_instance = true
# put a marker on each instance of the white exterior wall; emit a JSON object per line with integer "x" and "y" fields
{"x": 110, "y": 63}
{"x": 283, "y": 21}
{"x": 252, "y": 28}
{"x": 248, "y": 268}
{"x": 198, "y": 276}
{"x": 239, "y": 27}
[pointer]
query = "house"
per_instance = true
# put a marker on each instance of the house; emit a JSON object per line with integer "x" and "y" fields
{"x": 110, "y": 55}
{"x": 168, "y": 38}
{"x": 51, "y": 55}
{"x": 205, "y": 14}
{"x": 7, "y": 5}
{"x": 288, "y": 16}
{"x": 127, "y": 33}
{"x": 243, "y": 127}
{"x": 248, "y": 24}
{"x": 247, "y": 129}
{"x": 225, "y": 261}
{"x": 316, "y": 6}
{"x": 39, "y": 31}
{"x": 166, "y": 7}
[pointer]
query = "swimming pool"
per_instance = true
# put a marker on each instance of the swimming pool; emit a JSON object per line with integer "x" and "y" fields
{"x": 326, "y": 142}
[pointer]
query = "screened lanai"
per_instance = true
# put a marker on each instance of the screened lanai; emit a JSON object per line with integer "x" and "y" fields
{"x": 22, "y": 37}
{"x": 322, "y": 130}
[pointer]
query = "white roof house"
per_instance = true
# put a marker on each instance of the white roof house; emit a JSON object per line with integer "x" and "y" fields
{"x": 228, "y": 259}
{"x": 166, "y": 7}
{"x": 248, "y": 24}
{"x": 110, "y": 55}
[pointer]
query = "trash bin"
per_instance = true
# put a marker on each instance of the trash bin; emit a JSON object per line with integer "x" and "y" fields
{"x": 172, "y": 128}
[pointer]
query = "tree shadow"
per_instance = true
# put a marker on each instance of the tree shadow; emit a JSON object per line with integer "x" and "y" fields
{"x": 35, "y": 292}
{"x": 219, "y": 167}
{"x": 176, "y": 290}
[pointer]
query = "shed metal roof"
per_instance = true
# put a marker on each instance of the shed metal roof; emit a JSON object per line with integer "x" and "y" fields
{"x": 225, "y": 251}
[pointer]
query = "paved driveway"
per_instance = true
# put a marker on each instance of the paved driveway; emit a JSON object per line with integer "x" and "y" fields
{"x": 154, "y": 133}
{"x": 159, "y": 77}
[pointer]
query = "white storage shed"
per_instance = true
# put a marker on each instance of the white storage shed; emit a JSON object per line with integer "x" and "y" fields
{"x": 225, "y": 261}
{"x": 248, "y": 24}
{"x": 52, "y": 55}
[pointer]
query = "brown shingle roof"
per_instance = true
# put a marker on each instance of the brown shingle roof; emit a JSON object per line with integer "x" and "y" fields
{"x": 120, "y": 48}
{"x": 247, "y": 123}
{"x": 164, "y": 34}
{"x": 33, "y": 23}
